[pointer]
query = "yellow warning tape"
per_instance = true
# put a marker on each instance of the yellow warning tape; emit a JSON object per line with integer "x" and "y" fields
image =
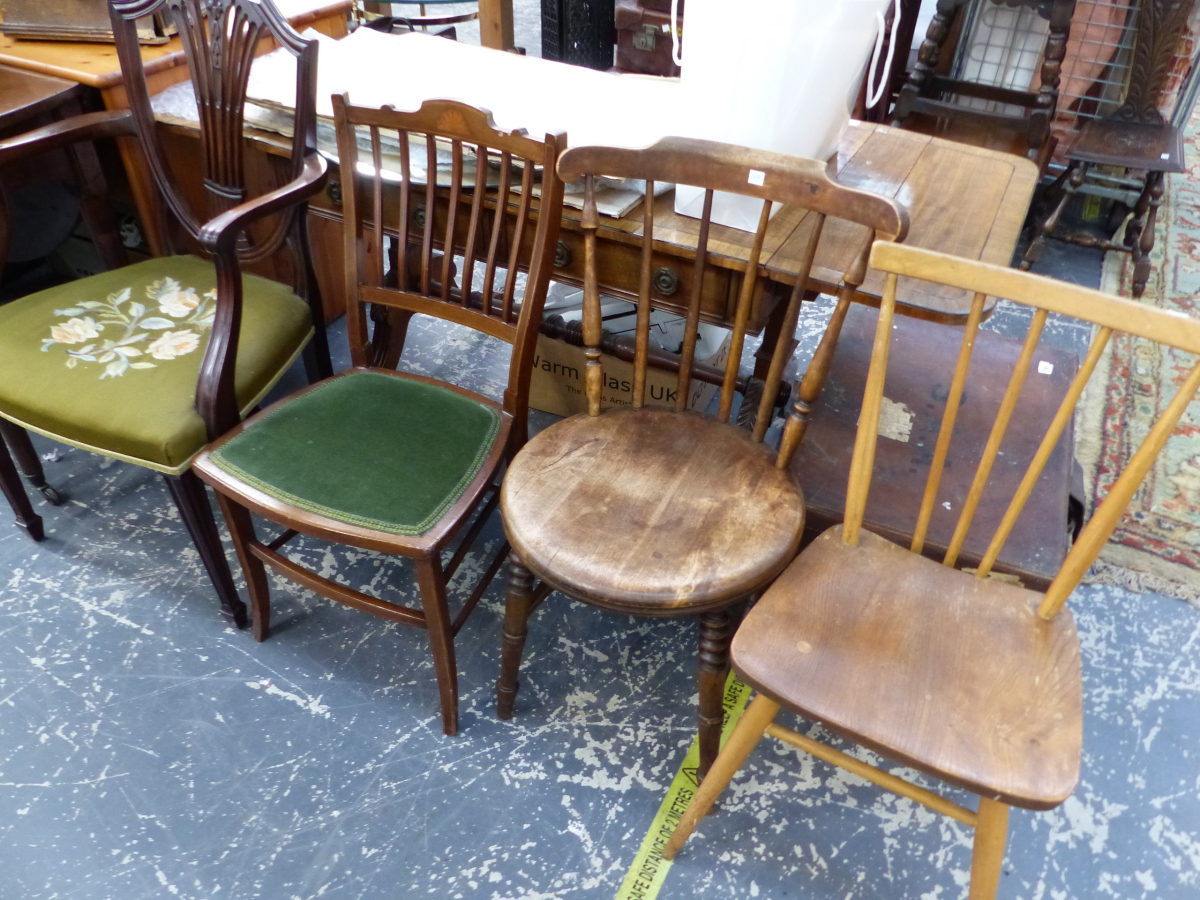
{"x": 649, "y": 870}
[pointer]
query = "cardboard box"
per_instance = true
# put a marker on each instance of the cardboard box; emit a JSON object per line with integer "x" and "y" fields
{"x": 557, "y": 385}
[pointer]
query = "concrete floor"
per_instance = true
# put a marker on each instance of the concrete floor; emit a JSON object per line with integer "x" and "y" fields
{"x": 147, "y": 751}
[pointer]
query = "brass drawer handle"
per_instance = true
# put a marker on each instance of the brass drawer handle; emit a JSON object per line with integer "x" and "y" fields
{"x": 665, "y": 281}
{"x": 562, "y": 255}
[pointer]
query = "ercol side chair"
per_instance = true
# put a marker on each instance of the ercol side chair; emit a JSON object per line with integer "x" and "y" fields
{"x": 148, "y": 362}
{"x": 671, "y": 512}
{"x": 963, "y": 677}
{"x": 391, "y": 461}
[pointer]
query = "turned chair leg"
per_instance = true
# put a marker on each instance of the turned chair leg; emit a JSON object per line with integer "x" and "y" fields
{"x": 192, "y": 500}
{"x": 1058, "y": 195}
{"x": 987, "y": 857}
{"x": 432, "y": 582}
{"x": 518, "y": 606}
{"x": 14, "y": 491}
{"x": 27, "y": 459}
{"x": 749, "y": 731}
{"x": 241, "y": 529}
{"x": 716, "y": 633}
{"x": 1139, "y": 234}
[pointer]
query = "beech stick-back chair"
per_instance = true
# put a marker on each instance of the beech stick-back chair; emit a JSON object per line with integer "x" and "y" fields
{"x": 657, "y": 511}
{"x": 961, "y": 676}
{"x": 392, "y": 461}
{"x": 147, "y": 362}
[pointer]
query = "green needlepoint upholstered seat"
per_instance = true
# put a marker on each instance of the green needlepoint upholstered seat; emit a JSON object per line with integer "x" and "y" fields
{"x": 109, "y": 363}
{"x": 146, "y": 363}
{"x": 423, "y": 443}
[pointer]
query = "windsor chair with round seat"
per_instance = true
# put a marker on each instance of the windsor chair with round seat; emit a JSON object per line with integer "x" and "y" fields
{"x": 654, "y": 511}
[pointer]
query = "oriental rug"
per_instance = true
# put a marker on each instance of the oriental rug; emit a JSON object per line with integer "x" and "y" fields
{"x": 1157, "y": 544}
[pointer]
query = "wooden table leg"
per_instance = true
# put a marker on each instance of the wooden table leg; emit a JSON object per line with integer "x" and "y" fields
{"x": 496, "y": 24}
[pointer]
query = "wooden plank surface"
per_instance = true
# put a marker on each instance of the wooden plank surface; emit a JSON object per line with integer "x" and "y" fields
{"x": 96, "y": 65}
{"x": 961, "y": 200}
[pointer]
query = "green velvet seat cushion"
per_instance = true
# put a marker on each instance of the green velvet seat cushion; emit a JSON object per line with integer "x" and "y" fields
{"x": 368, "y": 448}
{"x": 110, "y": 362}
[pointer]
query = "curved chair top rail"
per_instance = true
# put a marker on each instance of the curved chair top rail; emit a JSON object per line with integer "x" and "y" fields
{"x": 1107, "y": 313}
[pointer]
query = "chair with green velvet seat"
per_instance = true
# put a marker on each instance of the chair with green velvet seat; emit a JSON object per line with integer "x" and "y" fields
{"x": 386, "y": 460}
{"x": 148, "y": 362}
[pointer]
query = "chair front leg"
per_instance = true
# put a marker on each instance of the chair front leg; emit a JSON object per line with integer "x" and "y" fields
{"x": 987, "y": 857}
{"x": 518, "y": 605}
{"x": 192, "y": 501}
{"x": 241, "y": 529}
{"x": 749, "y": 731}
{"x": 27, "y": 459}
{"x": 432, "y": 582}
{"x": 716, "y": 633}
{"x": 14, "y": 491}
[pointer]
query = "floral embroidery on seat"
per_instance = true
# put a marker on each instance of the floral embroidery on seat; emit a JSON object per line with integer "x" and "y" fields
{"x": 129, "y": 332}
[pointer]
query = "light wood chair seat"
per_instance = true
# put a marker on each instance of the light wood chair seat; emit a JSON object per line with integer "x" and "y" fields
{"x": 954, "y": 675}
{"x": 646, "y": 510}
{"x": 947, "y": 670}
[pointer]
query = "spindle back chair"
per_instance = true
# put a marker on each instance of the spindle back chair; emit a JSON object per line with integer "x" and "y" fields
{"x": 393, "y": 461}
{"x": 959, "y": 675}
{"x": 503, "y": 231}
{"x": 132, "y": 388}
{"x": 671, "y": 512}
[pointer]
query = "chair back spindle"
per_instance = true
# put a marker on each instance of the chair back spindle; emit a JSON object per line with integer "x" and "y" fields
{"x": 462, "y": 212}
{"x": 1043, "y": 296}
{"x": 772, "y": 178}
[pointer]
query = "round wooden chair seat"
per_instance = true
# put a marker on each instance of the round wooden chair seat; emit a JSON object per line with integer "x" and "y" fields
{"x": 651, "y": 512}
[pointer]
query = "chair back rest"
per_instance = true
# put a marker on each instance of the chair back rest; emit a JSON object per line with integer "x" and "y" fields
{"x": 772, "y": 178}
{"x": 1106, "y": 313}
{"x": 220, "y": 40}
{"x": 1160, "y": 25}
{"x": 438, "y": 200}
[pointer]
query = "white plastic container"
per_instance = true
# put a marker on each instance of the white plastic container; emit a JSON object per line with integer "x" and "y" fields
{"x": 779, "y": 75}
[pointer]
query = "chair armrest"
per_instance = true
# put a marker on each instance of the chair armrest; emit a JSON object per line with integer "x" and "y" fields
{"x": 219, "y": 235}
{"x": 87, "y": 127}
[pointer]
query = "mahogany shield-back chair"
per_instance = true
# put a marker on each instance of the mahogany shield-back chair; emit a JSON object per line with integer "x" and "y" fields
{"x": 953, "y": 673}
{"x": 391, "y": 461}
{"x": 670, "y": 512}
{"x": 148, "y": 362}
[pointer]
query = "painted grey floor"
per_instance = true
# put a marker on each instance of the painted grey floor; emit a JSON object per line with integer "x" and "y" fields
{"x": 148, "y": 751}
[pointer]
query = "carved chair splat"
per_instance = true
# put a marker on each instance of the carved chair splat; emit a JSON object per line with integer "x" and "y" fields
{"x": 658, "y": 511}
{"x": 386, "y": 460}
{"x": 966, "y": 678}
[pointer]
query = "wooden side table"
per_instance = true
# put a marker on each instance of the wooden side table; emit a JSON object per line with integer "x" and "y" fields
{"x": 96, "y": 66}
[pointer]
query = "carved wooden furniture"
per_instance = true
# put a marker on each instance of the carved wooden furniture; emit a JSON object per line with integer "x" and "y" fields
{"x": 667, "y": 512}
{"x": 1135, "y": 138}
{"x": 119, "y": 363}
{"x": 96, "y": 66}
{"x": 960, "y": 676}
{"x": 929, "y": 99}
{"x": 391, "y": 461}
